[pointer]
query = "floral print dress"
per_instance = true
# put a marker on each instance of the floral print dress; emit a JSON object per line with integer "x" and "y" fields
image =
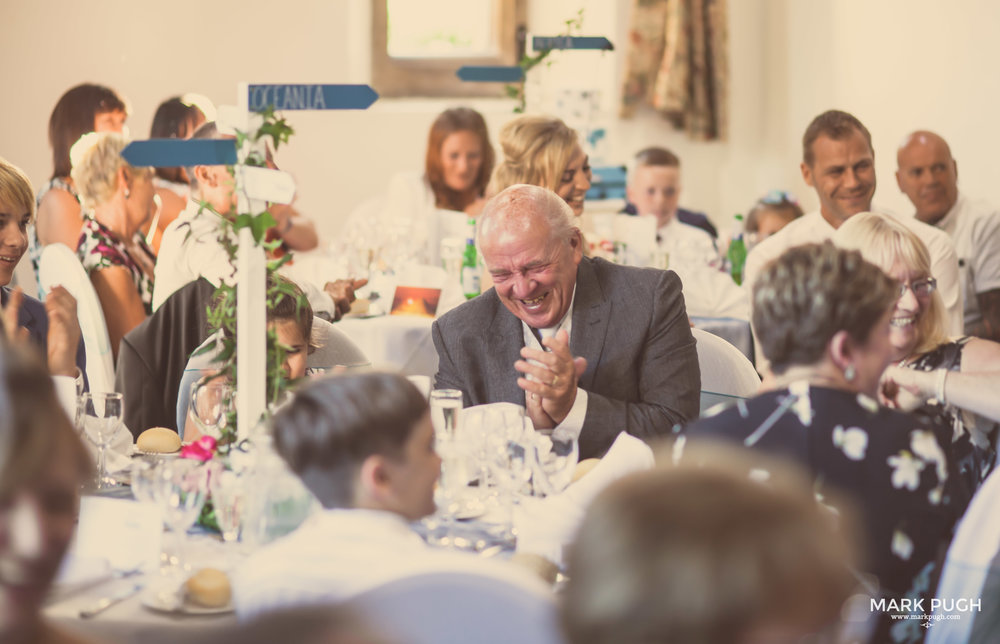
{"x": 888, "y": 464}
{"x": 99, "y": 249}
{"x": 972, "y": 438}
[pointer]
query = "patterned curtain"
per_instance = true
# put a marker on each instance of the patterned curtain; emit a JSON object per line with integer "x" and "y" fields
{"x": 677, "y": 62}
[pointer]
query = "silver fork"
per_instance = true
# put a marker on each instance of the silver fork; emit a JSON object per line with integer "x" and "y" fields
{"x": 108, "y": 601}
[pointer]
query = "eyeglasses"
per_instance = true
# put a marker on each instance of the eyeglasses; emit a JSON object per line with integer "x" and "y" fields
{"x": 921, "y": 288}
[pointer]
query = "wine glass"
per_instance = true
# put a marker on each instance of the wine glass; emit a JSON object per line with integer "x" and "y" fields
{"x": 510, "y": 467}
{"x": 555, "y": 454}
{"x": 100, "y": 415}
{"x": 144, "y": 480}
{"x": 228, "y": 500}
{"x": 211, "y": 402}
{"x": 181, "y": 490}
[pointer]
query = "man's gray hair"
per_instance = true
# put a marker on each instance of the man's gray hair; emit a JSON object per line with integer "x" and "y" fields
{"x": 515, "y": 203}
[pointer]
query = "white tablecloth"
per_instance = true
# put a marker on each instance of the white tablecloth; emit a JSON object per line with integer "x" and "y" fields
{"x": 129, "y": 620}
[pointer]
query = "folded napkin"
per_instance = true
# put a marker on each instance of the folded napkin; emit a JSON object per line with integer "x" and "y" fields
{"x": 118, "y": 455}
{"x": 545, "y": 526}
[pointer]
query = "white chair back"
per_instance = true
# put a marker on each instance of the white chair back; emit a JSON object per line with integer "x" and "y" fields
{"x": 460, "y": 607}
{"x": 724, "y": 368}
{"x": 60, "y": 266}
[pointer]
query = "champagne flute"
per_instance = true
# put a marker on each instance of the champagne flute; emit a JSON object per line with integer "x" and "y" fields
{"x": 445, "y": 406}
{"x": 100, "y": 415}
{"x": 228, "y": 500}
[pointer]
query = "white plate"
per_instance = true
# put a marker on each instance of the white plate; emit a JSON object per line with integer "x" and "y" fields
{"x": 162, "y": 601}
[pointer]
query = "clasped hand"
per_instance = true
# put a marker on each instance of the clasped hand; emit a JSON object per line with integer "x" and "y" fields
{"x": 550, "y": 380}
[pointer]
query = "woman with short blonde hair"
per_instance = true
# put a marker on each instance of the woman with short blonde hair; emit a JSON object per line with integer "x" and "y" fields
{"x": 117, "y": 200}
{"x": 925, "y": 362}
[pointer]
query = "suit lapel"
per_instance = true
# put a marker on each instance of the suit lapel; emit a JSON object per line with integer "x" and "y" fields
{"x": 591, "y": 314}
{"x": 509, "y": 335}
{"x": 25, "y": 317}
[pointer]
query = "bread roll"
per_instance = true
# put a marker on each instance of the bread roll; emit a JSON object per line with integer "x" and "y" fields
{"x": 209, "y": 588}
{"x": 158, "y": 440}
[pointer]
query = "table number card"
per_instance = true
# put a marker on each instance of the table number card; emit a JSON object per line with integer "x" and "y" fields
{"x": 124, "y": 532}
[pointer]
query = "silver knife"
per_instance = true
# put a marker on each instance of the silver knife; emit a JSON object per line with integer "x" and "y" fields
{"x": 107, "y": 602}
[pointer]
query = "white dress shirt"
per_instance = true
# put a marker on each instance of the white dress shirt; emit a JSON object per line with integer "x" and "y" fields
{"x": 578, "y": 412}
{"x": 190, "y": 249}
{"x": 974, "y": 227}
{"x": 812, "y": 228}
{"x": 339, "y": 553}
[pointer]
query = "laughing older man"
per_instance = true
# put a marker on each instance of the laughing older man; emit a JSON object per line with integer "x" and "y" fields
{"x": 584, "y": 344}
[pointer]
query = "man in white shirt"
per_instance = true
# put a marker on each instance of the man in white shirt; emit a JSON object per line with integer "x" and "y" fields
{"x": 928, "y": 176}
{"x": 190, "y": 247}
{"x": 613, "y": 350}
{"x": 839, "y": 163}
{"x": 364, "y": 446}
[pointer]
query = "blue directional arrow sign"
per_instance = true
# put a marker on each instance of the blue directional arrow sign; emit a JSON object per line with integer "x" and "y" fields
{"x": 539, "y": 43}
{"x": 170, "y": 153}
{"x": 311, "y": 97}
{"x": 490, "y": 74}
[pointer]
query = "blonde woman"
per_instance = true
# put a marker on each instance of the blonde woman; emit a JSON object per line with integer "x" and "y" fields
{"x": 543, "y": 151}
{"x": 926, "y": 364}
{"x": 117, "y": 199}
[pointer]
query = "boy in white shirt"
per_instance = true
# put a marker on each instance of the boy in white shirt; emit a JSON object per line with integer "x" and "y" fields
{"x": 364, "y": 446}
{"x": 654, "y": 187}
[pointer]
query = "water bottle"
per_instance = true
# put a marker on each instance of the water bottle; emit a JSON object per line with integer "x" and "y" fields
{"x": 470, "y": 263}
{"x": 737, "y": 253}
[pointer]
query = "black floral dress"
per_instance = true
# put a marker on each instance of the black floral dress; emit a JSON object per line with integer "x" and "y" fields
{"x": 889, "y": 465}
{"x": 972, "y": 438}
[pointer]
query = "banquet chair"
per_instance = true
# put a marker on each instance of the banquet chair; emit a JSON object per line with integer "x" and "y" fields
{"x": 60, "y": 266}
{"x": 153, "y": 355}
{"x": 725, "y": 371}
{"x": 460, "y": 607}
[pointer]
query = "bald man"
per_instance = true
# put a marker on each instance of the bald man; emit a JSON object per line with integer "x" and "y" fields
{"x": 586, "y": 346}
{"x": 928, "y": 176}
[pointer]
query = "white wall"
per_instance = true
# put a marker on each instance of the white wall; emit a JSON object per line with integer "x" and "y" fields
{"x": 897, "y": 64}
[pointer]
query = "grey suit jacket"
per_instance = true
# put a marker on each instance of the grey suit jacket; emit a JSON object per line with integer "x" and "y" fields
{"x": 629, "y": 323}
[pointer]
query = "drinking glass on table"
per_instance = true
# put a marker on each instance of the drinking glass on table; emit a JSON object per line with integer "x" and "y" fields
{"x": 212, "y": 399}
{"x": 181, "y": 489}
{"x": 556, "y": 453}
{"x": 510, "y": 467}
{"x": 445, "y": 407}
{"x": 100, "y": 415}
{"x": 228, "y": 499}
{"x": 144, "y": 480}
{"x": 446, "y": 404}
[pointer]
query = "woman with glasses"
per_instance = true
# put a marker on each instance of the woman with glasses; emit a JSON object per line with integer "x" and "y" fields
{"x": 942, "y": 378}
{"x": 824, "y": 317}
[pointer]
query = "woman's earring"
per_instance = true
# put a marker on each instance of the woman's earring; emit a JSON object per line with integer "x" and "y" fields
{"x": 849, "y": 372}
{"x": 127, "y": 193}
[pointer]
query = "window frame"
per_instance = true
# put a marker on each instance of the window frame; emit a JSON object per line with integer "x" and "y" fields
{"x": 436, "y": 77}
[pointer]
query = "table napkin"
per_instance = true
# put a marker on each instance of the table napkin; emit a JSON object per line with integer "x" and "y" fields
{"x": 545, "y": 526}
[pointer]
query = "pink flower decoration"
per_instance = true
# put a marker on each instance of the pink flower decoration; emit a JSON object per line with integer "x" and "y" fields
{"x": 202, "y": 449}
